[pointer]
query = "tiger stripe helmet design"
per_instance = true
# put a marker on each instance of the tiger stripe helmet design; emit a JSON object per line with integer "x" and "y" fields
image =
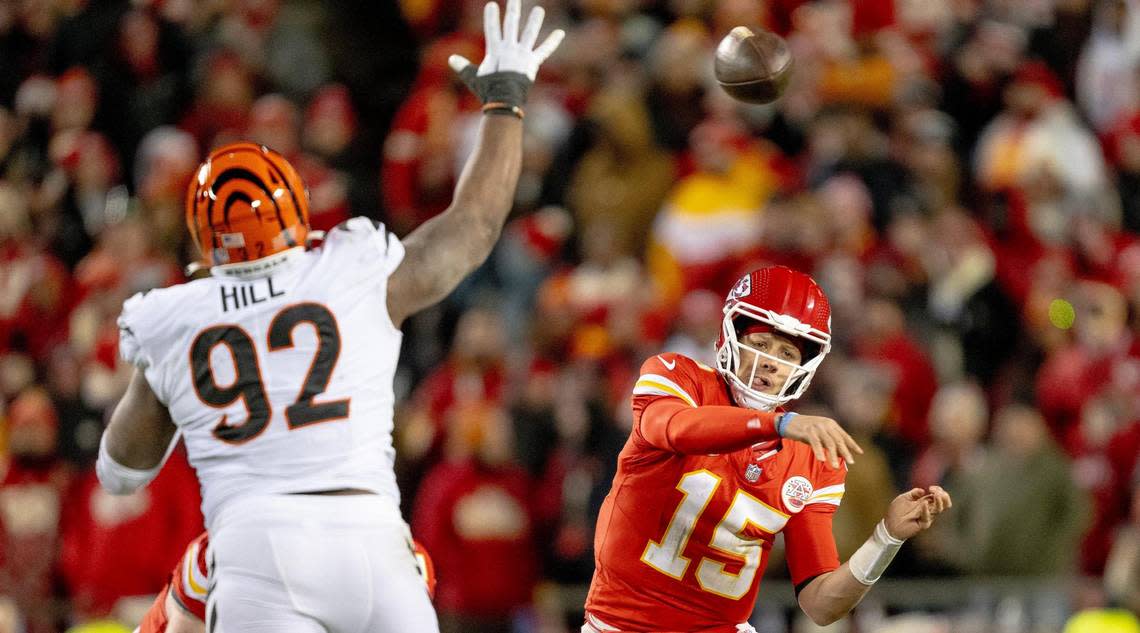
{"x": 246, "y": 202}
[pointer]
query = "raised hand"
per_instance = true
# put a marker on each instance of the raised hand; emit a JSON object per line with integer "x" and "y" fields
{"x": 914, "y": 511}
{"x": 507, "y": 54}
{"x": 828, "y": 440}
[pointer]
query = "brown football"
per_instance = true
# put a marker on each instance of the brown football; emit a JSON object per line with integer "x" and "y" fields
{"x": 753, "y": 65}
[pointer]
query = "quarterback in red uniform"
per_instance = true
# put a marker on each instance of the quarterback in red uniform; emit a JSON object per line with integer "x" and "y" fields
{"x": 714, "y": 469}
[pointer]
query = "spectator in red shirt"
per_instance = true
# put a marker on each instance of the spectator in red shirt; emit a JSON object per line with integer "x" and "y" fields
{"x": 474, "y": 513}
{"x": 1108, "y": 444}
{"x": 1074, "y": 374}
{"x": 33, "y": 283}
{"x": 884, "y": 338}
{"x": 473, "y": 372}
{"x": 32, "y": 485}
{"x": 117, "y": 547}
{"x": 419, "y": 168}
{"x": 330, "y": 123}
{"x": 222, "y": 103}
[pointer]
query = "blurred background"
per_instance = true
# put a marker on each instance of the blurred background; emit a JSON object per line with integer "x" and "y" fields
{"x": 962, "y": 178}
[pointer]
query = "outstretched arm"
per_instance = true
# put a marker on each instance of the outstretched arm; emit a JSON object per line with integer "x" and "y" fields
{"x": 672, "y": 425}
{"x": 445, "y": 249}
{"x": 832, "y": 595}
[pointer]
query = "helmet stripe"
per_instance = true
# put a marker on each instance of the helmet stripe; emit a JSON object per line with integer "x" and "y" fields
{"x": 292, "y": 194}
{"x": 260, "y": 151}
{"x": 238, "y": 196}
{"x": 239, "y": 173}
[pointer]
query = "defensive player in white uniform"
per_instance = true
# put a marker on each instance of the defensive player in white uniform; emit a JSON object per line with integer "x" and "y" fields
{"x": 277, "y": 370}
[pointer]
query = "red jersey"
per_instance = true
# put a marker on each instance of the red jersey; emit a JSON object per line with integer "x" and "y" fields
{"x": 188, "y": 584}
{"x": 683, "y": 539}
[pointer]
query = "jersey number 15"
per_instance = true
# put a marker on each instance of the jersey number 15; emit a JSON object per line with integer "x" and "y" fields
{"x": 248, "y": 385}
{"x": 729, "y": 538}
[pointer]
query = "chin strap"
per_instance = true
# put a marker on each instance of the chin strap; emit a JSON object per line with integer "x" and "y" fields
{"x": 743, "y": 398}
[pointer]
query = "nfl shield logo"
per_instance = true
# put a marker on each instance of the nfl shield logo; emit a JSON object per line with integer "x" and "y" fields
{"x": 752, "y": 473}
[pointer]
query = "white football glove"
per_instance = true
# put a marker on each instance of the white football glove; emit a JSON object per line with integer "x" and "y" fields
{"x": 507, "y": 55}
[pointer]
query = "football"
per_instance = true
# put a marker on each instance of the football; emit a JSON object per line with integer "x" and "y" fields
{"x": 753, "y": 65}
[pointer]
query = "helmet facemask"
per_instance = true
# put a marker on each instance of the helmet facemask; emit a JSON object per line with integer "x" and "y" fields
{"x": 733, "y": 354}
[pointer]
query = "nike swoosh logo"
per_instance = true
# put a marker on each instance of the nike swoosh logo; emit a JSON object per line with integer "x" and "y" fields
{"x": 668, "y": 364}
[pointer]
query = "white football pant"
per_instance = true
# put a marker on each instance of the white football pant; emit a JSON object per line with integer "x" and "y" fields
{"x": 315, "y": 563}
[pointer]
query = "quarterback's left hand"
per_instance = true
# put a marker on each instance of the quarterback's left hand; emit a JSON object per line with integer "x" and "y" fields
{"x": 914, "y": 511}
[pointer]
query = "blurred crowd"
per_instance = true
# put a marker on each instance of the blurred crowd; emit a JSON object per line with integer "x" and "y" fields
{"x": 962, "y": 178}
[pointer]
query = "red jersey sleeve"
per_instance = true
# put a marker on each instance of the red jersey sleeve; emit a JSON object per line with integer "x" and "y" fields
{"x": 808, "y": 537}
{"x": 670, "y": 412}
{"x": 670, "y": 376}
{"x": 188, "y": 583}
{"x": 155, "y": 620}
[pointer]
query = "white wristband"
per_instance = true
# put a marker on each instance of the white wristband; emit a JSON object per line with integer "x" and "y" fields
{"x": 118, "y": 479}
{"x": 869, "y": 562}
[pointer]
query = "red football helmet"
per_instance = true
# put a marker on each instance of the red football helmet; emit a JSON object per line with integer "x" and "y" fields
{"x": 786, "y": 302}
{"x": 246, "y": 203}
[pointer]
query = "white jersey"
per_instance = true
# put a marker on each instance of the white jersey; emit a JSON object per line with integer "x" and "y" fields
{"x": 281, "y": 383}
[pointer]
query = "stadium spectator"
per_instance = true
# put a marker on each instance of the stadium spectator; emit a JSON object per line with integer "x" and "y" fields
{"x": 1107, "y": 85}
{"x": 473, "y": 372}
{"x": 710, "y": 222}
{"x": 119, "y": 547}
{"x": 33, "y": 488}
{"x": 1039, "y": 134}
{"x": 883, "y": 339}
{"x": 1122, "y": 573}
{"x": 473, "y": 512}
{"x": 959, "y": 422}
{"x": 976, "y": 322}
{"x": 996, "y": 507}
{"x": 860, "y": 394}
{"x": 1075, "y": 373}
{"x": 620, "y": 181}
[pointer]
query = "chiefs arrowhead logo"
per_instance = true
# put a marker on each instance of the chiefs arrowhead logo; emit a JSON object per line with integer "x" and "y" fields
{"x": 796, "y": 493}
{"x": 743, "y": 288}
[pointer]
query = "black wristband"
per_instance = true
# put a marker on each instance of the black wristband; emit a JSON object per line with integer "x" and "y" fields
{"x": 507, "y": 88}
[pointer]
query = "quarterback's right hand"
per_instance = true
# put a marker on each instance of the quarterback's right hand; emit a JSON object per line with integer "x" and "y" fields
{"x": 511, "y": 63}
{"x": 828, "y": 440}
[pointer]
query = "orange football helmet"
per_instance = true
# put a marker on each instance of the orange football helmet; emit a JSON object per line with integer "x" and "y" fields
{"x": 244, "y": 203}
